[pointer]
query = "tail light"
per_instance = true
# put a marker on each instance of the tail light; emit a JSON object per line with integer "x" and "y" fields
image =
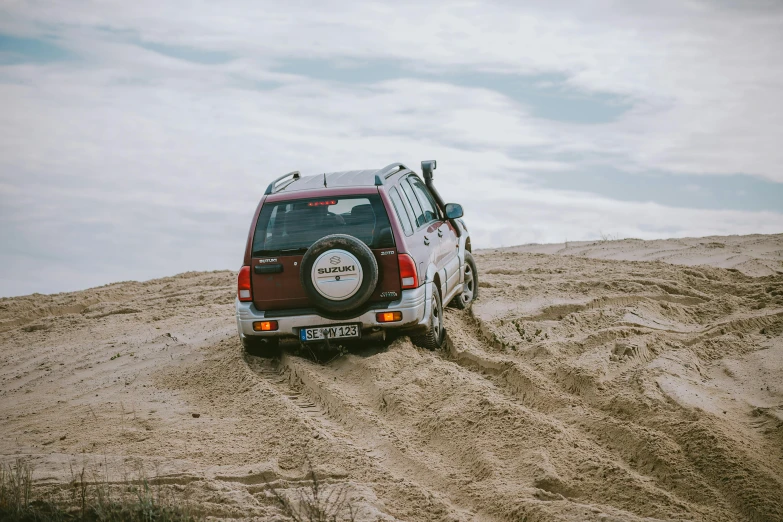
{"x": 243, "y": 284}
{"x": 408, "y": 275}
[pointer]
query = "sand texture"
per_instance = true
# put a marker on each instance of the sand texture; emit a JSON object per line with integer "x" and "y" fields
{"x": 755, "y": 255}
{"x": 611, "y": 381}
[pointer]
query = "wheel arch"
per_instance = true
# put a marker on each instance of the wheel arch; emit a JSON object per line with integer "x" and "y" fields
{"x": 436, "y": 280}
{"x": 432, "y": 276}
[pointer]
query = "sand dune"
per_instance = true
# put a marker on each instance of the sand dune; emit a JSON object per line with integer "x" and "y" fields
{"x": 755, "y": 255}
{"x": 590, "y": 382}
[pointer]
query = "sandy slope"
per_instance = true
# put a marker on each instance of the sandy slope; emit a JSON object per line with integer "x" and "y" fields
{"x": 579, "y": 389}
{"x": 755, "y": 255}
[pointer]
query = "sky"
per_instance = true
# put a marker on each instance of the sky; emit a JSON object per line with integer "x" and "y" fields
{"x": 136, "y": 138}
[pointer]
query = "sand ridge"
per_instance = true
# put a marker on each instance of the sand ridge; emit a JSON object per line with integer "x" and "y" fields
{"x": 580, "y": 387}
{"x": 756, "y": 254}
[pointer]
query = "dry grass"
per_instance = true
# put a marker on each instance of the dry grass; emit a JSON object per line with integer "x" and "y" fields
{"x": 94, "y": 500}
{"x": 608, "y": 237}
{"x": 315, "y": 503}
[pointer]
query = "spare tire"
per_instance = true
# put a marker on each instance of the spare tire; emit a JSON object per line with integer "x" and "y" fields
{"x": 339, "y": 273}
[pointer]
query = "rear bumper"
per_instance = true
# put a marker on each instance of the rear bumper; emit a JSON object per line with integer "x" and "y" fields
{"x": 414, "y": 304}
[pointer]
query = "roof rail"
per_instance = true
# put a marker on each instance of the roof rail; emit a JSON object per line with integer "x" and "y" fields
{"x": 387, "y": 171}
{"x": 271, "y": 189}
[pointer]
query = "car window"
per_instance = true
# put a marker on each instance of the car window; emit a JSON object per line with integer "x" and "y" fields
{"x": 407, "y": 205}
{"x": 293, "y": 226}
{"x": 418, "y": 213}
{"x": 425, "y": 198}
{"x": 405, "y": 221}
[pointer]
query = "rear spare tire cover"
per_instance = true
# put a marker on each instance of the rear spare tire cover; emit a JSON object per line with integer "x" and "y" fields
{"x": 339, "y": 273}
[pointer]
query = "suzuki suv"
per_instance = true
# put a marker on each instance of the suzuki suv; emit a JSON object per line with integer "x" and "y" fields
{"x": 351, "y": 255}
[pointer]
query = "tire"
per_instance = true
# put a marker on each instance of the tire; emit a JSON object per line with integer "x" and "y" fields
{"x": 369, "y": 273}
{"x": 433, "y": 338}
{"x": 469, "y": 293}
{"x": 268, "y": 347}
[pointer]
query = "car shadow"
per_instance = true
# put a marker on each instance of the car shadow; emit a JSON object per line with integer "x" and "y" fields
{"x": 325, "y": 353}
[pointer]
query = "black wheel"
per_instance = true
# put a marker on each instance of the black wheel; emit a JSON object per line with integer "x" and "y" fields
{"x": 268, "y": 347}
{"x": 469, "y": 293}
{"x": 339, "y": 273}
{"x": 432, "y": 339}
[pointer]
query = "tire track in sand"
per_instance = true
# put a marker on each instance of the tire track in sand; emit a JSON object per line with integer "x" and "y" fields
{"x": 297, "y": 380}
{"x": 482, "y": 452}
{"x": 665, "y": 446}
{"x": 649, "y": 453}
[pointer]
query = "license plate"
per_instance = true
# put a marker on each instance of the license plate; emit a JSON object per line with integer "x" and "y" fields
{"x": 338, "y": 331}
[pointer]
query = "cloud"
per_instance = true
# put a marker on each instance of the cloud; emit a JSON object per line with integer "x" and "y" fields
{"x": 143, "y": 149}
{"x": 512, "y": 215}
{"x": 701, "y": 75}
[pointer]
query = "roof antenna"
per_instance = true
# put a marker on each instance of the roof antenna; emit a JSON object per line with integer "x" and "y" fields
{"x": 324, "y": 179}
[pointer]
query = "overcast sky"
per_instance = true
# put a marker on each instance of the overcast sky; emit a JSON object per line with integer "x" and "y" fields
{"x": 136, "y": 137}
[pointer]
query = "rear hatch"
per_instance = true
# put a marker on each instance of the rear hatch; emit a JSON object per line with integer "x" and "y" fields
{"x": 286, "y": 228}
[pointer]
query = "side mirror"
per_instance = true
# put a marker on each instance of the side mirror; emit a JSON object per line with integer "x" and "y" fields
{"x": 453, "y": 210}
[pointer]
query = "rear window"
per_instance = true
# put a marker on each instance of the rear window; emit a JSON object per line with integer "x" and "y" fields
{"x": 292, "y": 226}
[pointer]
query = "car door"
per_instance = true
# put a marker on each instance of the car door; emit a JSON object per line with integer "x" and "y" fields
{"x": 424, "y": 243}
{"x": 447, "y": 258}
{"x": 449, "y": 246}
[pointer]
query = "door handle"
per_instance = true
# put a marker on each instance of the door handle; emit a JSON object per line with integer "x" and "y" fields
{"x": 426, "y": 240}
